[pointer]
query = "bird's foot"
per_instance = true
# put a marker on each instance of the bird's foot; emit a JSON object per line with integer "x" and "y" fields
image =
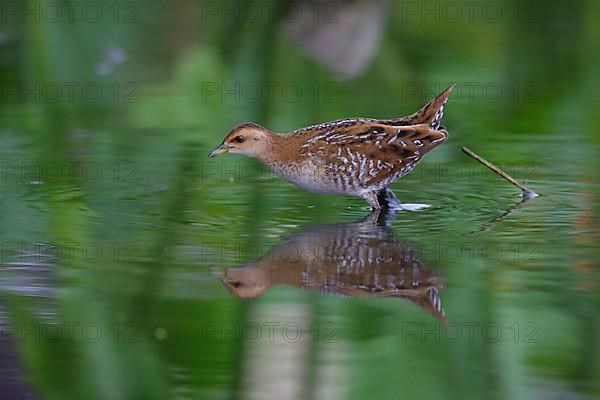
{"x": 385, "y": 199}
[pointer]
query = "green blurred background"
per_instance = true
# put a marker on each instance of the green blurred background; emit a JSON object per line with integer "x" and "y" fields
{"x": 113, "y": 216}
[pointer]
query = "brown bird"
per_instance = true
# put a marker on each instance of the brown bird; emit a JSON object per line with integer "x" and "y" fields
{"x": 362, "y": 260}
{"x": 357, "y": 157}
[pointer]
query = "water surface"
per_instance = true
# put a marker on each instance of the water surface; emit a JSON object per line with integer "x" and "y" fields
{"x": 135, "y": 267}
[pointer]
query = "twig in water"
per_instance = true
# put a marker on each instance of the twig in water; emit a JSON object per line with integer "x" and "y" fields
{"x": 526, "y": 192}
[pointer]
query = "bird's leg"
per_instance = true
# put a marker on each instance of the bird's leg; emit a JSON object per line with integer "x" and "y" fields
{"x": 388, "y": 199}
{"x": 373, "y": 199}
{"x": 382, "y": 199}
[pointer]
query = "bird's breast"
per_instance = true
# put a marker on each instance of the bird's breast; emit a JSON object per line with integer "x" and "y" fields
{"x": 318, "y": 177}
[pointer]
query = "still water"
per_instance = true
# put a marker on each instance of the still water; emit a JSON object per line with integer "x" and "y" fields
{"x": 134, "y": 267}
{"x": 163, "y": 272}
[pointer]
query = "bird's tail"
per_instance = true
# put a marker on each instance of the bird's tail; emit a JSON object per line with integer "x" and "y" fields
{"x": 431, "y": 114}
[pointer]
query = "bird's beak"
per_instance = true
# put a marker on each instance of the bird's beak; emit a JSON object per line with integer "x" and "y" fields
{"x": 223, "y": 148}
{"x": 218, "y": 272}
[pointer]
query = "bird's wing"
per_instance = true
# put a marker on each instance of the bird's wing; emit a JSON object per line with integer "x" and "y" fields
{"x": 379, "y": 152}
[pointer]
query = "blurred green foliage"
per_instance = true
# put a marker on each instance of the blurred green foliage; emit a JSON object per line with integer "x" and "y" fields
{"x": 185, "y": 80}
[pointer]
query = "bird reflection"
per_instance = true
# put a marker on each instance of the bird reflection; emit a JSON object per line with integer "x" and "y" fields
{"x": 361, "y": 259}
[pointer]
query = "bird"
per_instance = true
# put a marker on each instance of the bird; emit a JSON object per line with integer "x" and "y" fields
{"x": 357, "y": 157}
{"x": 360, "y": 259}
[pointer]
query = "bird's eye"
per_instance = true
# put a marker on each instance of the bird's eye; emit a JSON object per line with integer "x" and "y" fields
{"x": 238, "y": 139}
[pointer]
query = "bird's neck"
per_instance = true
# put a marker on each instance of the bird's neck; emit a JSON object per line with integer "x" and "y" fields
{"x": 279, "y": 148}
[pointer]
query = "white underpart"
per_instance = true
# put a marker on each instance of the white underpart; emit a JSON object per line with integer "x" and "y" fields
{"x": 435, "y": 124}
{"x": 362, "y": 168}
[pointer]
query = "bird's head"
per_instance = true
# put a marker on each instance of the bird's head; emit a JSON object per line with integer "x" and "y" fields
{"x": 242, "y": 282}
{"x": 249, "y": 139}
